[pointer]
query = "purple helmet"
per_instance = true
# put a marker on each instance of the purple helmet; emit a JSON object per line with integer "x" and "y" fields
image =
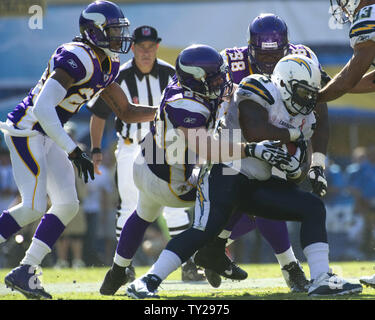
{"x": 268, "y": 41}
{"x": 202, "y": 70}
{"x": 103, "y": 24}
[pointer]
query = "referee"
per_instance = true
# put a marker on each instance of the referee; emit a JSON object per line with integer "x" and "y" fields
{"x": 143, "y": 79}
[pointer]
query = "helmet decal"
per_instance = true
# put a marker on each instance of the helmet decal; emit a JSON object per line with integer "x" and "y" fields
{"x": 300, "y": 62}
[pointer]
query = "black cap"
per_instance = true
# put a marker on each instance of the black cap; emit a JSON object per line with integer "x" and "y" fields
{"x": 145, "y": 33}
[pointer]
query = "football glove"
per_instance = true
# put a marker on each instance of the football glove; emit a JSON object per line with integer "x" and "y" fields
{"x": 83, "y": 163}
{"x": 268, "y": 151}
{"x": 318, "y": 180}
{"x": 293, "y": 168}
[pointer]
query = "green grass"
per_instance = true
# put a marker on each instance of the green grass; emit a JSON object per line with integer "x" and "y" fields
{"x": 83, "y": 284}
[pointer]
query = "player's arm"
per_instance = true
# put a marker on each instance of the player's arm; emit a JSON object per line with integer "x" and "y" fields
{"x": 366, "y": 84}
{"x": 53, "y": 92}
{"x": 351, "y": 74}
{"x": 97, "y": 126}
{"x": 253, "y": 119}
{"x": 117, "y": 100}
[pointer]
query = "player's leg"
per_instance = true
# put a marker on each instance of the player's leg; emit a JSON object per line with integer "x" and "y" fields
{"x": 216, "y": 200}
{"x": 178, "y": 220}
{"x": 276, "y": 234}
{"x": 277, "y": 200}
{"x": 128, "y": 192}
{"x": 28, "y": 164}
{"x": 62, "y": 192}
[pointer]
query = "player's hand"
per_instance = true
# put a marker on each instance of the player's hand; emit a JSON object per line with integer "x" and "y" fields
{"x": 269, "y": 151}
{"x": 293, "y": 168}
{"x": 318, "y": 180}
{"x": 97, "y": 159}
{"x": 83, "y": 163}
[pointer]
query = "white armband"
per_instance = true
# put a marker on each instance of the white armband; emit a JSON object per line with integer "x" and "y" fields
{"x": 318, "y": 160}
{"x": 44, "y": 110}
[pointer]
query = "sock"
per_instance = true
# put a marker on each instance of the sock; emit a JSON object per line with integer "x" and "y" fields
{"x": 244, "y": 225}
{"x": 317, "y": 258}
{"x": 286, "y": 257}
{"x": 8, "y": 226}
{"x": 167, "y": 262}
{"x": 131, "y": 237}
{"x": 120, "y": 261}
{"x": 49, "y": 229}
{"x": 36, "y": 253}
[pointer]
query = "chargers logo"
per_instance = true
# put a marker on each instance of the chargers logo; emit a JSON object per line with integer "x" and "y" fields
{"x": 300, "y": 62}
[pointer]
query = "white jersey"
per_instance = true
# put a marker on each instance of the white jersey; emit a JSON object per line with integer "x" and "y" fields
{"x": 262, "y": 90}
{"x": 363, "y": 27}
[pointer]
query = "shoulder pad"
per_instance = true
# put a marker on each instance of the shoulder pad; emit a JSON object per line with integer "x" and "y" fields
{"x": 363, "y": 27}
{"x": 255, "y": 88}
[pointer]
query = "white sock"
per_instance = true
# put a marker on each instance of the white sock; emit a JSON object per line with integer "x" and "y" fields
{"x": 286, "y": 257}
{"x": 36, "y": 253}
{"x": 122, "y": 262}
{"x": 317, "y": 258}
{"x": 167, "y": 262}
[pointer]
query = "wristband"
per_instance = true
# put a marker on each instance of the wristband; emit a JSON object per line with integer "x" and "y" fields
{"x": 318, "y": 160}
{"x": 96, "y": 150}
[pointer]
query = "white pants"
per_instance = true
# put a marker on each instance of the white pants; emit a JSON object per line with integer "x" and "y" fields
{"x": 41, "y": 167}
{"x": 129, "y": 193}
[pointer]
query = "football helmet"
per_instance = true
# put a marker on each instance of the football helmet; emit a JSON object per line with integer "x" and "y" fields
{"x": 298, "y": 80}
{"x": 267, "y": 41}
{"x": 104, "y": 25}
{"x": 343, "y": 10}
{"x": 202, "y": 70}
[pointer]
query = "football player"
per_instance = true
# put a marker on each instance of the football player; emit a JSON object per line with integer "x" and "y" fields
{"x": 353, "y": 77}
{"x": 277, "y": 108}
{"x": 163, "y": 172}
{"x": 267, "y": 44}
{"x": 42, "y": 153}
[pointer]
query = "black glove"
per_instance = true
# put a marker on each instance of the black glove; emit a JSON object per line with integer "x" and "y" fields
{"x": 83, "y": 164}
{"x": 269, "y": 151}
{"x": 318, "y": 180}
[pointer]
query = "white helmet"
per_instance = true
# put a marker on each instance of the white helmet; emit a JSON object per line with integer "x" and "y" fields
{"x": 298, "y": 80}
{"x": 344, "y": 10}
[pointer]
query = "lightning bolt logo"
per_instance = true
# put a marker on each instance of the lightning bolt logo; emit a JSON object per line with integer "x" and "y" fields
{"x": 201, "y": 196}
{"x": 260, "y": 91}
{"x": 365, "y": 28}
{"x": 300, "y": 62}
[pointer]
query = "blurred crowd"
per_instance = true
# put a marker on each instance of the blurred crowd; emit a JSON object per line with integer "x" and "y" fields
{"x": 90, "y": 238}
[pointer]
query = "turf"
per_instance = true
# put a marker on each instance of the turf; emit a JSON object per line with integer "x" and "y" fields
{"x": 264, "y": 283}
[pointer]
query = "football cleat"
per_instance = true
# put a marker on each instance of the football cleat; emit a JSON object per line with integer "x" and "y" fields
{"x": 213, "y": 257}
{"x": 213, "y": 278}
{"x": 190, "y": 272}
{"x": 144, "y": 288}
{"x": 113, "y": 280}
{"x": 368, "y": 281}
{"x": 295, "y": 277}
{"x": 25, "y": 280}
{"x": 329, "y": 284}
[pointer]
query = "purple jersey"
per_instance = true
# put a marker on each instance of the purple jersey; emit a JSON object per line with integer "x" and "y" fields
{"x": 178, "y": 108}
{"x": 82, "y": 64}
{"x": 241, "y": 67}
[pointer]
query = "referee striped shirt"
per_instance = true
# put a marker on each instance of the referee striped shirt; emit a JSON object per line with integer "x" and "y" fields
{"x": 140, "y": 88}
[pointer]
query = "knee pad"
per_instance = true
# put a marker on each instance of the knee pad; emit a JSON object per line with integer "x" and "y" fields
{"x": 65, "y": 212}
{"x": 24, "y": 215}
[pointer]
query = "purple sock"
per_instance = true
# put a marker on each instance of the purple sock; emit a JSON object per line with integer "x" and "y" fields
{"x": 49, "y": 229}
{"x": 244, "y": 225}
{"x": 275, "y": 232}
{"x": 131, "y": 236}
{"x": 8, "y": 225}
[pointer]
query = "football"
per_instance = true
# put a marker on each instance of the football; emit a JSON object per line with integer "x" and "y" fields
{"x": 291, "y": 147}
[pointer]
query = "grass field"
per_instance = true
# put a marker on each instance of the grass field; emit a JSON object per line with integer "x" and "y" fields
{"x": 264, "y": 283}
